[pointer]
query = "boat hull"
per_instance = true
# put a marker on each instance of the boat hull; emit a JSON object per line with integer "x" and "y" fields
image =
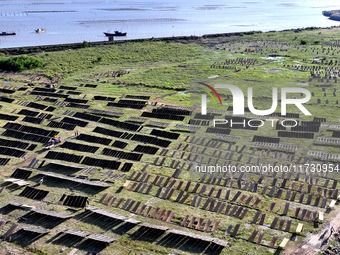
{"x": 115, "y": 34}
{"x": 6, "y": 34}
{"x": 40, "y": 30}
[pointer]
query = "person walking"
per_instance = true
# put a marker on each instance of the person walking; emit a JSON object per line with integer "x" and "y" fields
{"x": 41, "y": 181}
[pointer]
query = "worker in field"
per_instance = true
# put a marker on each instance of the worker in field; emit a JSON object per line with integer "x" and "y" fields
{"x": 41, "y": 181}
{"x": 53, "y": 142}
{"x": 56, "y": 139}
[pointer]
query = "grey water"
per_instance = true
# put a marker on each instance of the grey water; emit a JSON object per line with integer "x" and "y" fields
{"x": 86, "y": 20}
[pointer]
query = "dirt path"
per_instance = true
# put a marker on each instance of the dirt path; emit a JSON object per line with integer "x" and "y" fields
{"x": 312, "y": 244}
{"x": 23, "y": 164}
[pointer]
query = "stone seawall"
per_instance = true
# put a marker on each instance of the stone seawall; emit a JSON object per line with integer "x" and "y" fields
{"x": 59, "y": 47}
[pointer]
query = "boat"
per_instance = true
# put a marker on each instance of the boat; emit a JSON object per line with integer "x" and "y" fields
{"x": 7, "y": 33}
{"x": 40, "y": 30}
{"x": 116, "y": 33}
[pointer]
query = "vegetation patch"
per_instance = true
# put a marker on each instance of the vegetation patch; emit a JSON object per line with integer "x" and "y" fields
{"x": 20, "y": 63}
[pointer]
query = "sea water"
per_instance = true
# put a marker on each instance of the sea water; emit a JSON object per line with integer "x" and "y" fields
{"x": 84, "y": 20}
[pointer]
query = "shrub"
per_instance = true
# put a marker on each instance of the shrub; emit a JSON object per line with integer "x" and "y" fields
{"x": 303, "y": 42}
{"x": 20, "y": 63}
{"x": 85, "y": 44}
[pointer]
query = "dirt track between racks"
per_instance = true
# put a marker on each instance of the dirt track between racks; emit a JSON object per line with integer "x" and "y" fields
{"x": 313, "y": 244}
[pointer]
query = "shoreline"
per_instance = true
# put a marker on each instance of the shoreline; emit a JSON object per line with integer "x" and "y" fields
{"x": 78, "y": 45}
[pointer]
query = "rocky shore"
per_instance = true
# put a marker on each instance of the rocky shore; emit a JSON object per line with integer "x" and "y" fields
{"x": 333, "y": 15}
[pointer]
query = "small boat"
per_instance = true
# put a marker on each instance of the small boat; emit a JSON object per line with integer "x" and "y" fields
{"x": 7, "y": 33}
{"x": 40, "y": 30}
{"x": 116, "y": 33}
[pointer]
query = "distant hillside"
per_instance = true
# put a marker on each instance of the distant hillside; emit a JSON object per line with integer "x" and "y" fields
{"x": 333, "y": 15}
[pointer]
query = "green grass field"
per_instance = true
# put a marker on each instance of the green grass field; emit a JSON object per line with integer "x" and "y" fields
{"x": 170, "y": 72}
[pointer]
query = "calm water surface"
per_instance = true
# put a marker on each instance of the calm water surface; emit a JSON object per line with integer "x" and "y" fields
{"x": 79, "y": 20}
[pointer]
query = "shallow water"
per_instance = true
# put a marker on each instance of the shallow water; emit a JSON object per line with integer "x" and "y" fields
{"x": 79, "y": 20}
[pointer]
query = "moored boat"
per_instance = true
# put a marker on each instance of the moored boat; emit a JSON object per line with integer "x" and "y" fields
{"x": 116, "y": 33}
{"x": 7, "y": 33}
{"x": 40, "y": 30}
